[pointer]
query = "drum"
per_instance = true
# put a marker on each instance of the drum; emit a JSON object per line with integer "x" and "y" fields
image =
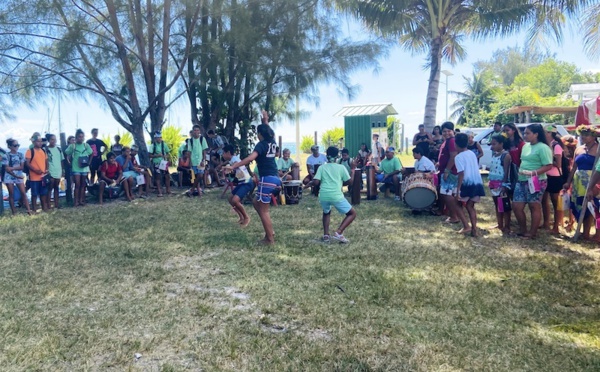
{"x": 295, "y": 171}
{"x": 292, "y": 191}
{"x": 371, "y": 183}
{"x": 418, "y": 192}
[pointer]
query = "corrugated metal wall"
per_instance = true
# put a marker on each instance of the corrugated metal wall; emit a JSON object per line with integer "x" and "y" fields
{"x": 357, "y": 129}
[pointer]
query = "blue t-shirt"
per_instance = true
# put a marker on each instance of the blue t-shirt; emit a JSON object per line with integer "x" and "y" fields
{"x": 121, "y": 160}
{"x": 266, "y": 158}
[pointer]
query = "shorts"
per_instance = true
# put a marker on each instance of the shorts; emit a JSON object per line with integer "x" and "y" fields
{"x": 266, "y": 186}
{"x": 555, "y": 184}
{"x": 342, "y": 206}
{"x": 95, "y": 164}
{"x": 448, "y": 186}
{"x": 472, "y": 192}
{"x": 522, "y": 194}
{"x": 197, "y": 171}
{"x": 85, "y": 174}
{"x": 157, "y": 170}
{"x": 37, "y": 189}
{"x": 106, "y": 183}
{"x": 242, "y": 189}
{"x": 130, "y": 174}
{"x": 387, "y": 180}
{"x": 8, "y": 179}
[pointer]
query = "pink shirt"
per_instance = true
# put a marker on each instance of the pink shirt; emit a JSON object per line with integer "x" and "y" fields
{"x": 556, "y": 150}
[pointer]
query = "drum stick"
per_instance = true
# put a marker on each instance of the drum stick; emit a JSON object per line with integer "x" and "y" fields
{"x": 584, "y": 204}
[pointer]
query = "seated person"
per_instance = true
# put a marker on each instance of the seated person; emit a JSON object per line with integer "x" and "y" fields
{"x": 111, "y": 175}
{"x": 346, "y": 160}
{"x": 389, "y": 172}
{"x": 315, "y": 159}
{"x": 284, "y": 165}
{"x": 363, "y": 156}
{"x": 243, "y": 182}
{"x": 141, "y": 170}
{"x": 422, "y": 162}
{"x": 184, "y": 167}
{"x": 126, "y": 162}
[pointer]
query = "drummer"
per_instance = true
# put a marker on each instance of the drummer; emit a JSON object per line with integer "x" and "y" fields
{"x": 422, "y": 162}
{"x": 284, "y": 166}
{"x": 389, "y": 172}
{"x": 346, "y": 160}
{"x": 316, "y": 158}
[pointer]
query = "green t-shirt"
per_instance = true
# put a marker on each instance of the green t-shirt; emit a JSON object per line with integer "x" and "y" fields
{"x": 388, "y": 166}
{"x": 55, "y": 158}
{"x": 332, "y": 177}
{"x": 196, "y": 146}
{"x": 180, "y": 151}
{"x": 79, "y": 150}
{"x": 158, "y": 149}
{"x": 534, "y": 157}
{"x": 284, "y": 165}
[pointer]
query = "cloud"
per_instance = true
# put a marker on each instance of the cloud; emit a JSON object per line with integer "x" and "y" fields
{"x": 15, "y": 130}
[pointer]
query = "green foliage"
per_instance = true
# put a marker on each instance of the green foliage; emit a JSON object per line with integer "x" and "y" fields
{"x": 306, "y": 144}
{"x": 331, "y": 137}
{"x": 171, "y": 135}
{"x": 473, "y": 106}
{"x": 393, "y": 136}
{"x": 506, "y": 64}
{"x": 550, "y": 78}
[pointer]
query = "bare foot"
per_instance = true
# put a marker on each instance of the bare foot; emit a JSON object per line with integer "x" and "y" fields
{"x": 450, "y": 220}
{"x": 245, "y": 223}
{"x": 464, "y": 231}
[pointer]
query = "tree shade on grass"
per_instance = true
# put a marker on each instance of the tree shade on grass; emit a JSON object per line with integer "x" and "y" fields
{"x": 179, "y": 283}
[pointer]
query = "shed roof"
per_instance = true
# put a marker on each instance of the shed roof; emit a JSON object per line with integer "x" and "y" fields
{"x": 372, "y": 109}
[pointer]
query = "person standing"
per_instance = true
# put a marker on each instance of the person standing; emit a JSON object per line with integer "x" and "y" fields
{"x": 159, "y": 152}
{"x": 37, "y": 161}
{"x": 80, "y": 153}
{"x": 448, "y": 173}
{"x": 581, "y": 176}
{"x": 14, "y": 177}
{"x": 98, "y": 148}
{"x": 377, "y": 150}
{"x": 198, "y": 148}
{"x": 264, "y": 154}
{"x": 56, "y": 160}
{"x": 117, "y": 148}
{"x": 497, "y": 129}
{"x": 423, "y": 140}
{"x": 555, "y": 180}
{"x": 536, "y": 160}
{"x": 243, "y": 185}
{"x": 474, "y": 147}
{"x": 331, "y": 177}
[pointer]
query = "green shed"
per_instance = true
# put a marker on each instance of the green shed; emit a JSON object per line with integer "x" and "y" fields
{"x": 362, "y": 121}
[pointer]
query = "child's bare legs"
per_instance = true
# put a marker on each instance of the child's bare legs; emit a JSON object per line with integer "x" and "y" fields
{"x": 326, "y": 221}
{"x": 472, "y": 216}
{"x": 82, "y": 185}
{"x": 263, "y": 212}
{"x": 536, "y": 217}
{"x": 455, "y": 208}
{"x": 167, "y": 181}
{"x": 558, "y": 215}
{"x": 11, "y": 195}
{"x": 519, "y": 209}
{"x": 54, "y": 185}
{"x": 546, "y": 210}
{"x": 24, "y": 200}
{"x": 127, "y": 188}
{"x": 77, "y": 181}
{"x": 499, "y": 215}
{"x": 350, "y": 216}
{"x": 238, "y": 207}
{"x": 157, "y": 180}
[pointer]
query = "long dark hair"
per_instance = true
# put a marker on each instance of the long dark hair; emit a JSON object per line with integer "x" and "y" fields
{"x": 539, "y": 131}
{"x": 266, "y": 132}
{"x": 518, "y": 136}
{"x": 558, "y": 139}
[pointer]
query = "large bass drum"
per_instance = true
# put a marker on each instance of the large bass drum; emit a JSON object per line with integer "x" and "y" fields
{"x": 292, "y": 192}
{"x": 418, "y": 192}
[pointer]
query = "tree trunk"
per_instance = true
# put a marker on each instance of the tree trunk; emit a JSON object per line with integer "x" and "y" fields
{"x": 434, "y": 85}
{"x": 140, "y": 141}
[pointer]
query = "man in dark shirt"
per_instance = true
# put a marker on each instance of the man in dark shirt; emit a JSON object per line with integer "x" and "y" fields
{"x": 98, "y": 148}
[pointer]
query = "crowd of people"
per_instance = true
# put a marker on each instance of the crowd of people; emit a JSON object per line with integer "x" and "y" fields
{"x": 537, "y": 169}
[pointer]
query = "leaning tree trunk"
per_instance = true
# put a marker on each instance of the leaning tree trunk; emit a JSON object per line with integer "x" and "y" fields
{"x": 434, "y": 85}
{"x": 140, "y": 141}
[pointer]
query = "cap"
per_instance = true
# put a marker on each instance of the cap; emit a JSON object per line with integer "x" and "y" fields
{"x": 391, "y": 149}
{"x": 551, "y": 128}
{"x": 35, "y": 136}
{"x": 157, "y": 135}
{"x": 314, "y": 148}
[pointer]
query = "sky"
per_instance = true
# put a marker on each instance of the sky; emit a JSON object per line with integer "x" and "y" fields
{"x": 399, "y": 80}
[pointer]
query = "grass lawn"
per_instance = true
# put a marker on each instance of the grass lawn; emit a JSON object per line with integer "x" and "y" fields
{"x": 177, "y": 281}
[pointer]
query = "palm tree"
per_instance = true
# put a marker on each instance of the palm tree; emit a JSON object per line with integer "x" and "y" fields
{"x": 437, "y": 27}
{"x": 476, "y": 98}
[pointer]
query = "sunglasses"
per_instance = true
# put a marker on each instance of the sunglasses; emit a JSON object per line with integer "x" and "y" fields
{"x": 17, "y": 145}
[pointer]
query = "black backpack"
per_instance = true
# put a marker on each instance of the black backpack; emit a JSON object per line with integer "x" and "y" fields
{"x": 565, "y": 167}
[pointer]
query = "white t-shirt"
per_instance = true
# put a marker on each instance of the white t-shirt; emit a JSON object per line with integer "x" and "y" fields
{"x": 424, "y": 165}
{"x": 241, "y": 173}
{"x": 466, "y": 162}
{"x": 312, "y": 161}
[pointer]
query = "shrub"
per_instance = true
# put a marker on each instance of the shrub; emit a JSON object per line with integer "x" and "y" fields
{"x": 306, "y": 144}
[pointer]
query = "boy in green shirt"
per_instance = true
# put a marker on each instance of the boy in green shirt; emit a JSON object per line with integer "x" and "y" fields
{"x": 331, "y": 177}
{"x": 159, "y": 152}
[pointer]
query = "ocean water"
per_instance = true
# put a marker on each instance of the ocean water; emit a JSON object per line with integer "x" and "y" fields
{"x": 289, "y": 145}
